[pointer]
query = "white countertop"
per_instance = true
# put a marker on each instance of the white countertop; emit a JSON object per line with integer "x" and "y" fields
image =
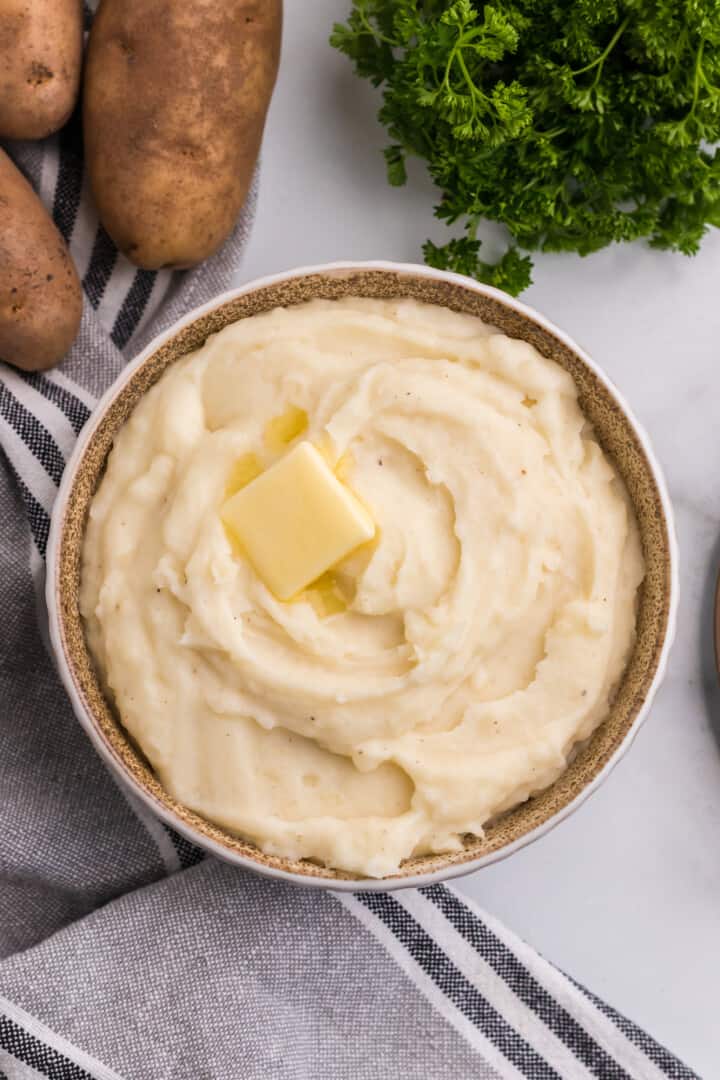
{"x": 625, "y": 895}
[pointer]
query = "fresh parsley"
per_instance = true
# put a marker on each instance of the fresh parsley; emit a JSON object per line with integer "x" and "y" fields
{"x": 575, "y": 123}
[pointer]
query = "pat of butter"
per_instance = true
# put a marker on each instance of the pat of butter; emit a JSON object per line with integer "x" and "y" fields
{"x": 296, "y": 520}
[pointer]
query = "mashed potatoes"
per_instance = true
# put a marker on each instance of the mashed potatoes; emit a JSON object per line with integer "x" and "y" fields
{"x": 465, "y": 651}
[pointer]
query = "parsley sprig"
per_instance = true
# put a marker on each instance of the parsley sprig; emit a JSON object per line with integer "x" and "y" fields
{"x": 575, "y": 123}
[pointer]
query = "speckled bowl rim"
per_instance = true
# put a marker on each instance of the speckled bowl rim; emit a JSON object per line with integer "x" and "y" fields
{"x": 125, "y": 762}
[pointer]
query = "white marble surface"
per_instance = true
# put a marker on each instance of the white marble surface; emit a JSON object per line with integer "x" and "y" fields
{"x": 626, "y": 894}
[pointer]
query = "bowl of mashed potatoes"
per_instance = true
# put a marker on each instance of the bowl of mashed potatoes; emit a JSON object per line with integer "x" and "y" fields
{"x": 362, "y": 575}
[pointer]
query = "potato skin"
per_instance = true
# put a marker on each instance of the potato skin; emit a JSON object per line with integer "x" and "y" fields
{"x": 40, "y": 295}
{"x": 40, "y": 61}
{"x": 174, "y": 105}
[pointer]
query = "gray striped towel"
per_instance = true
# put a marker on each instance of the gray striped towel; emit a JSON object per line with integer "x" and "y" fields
{"x": 124, "y": 952}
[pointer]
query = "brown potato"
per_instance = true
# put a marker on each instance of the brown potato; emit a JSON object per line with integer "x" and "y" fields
{"x": 175, "y": 97}
{"x": 40, "y": 59}
{"x": 40, "y": 295}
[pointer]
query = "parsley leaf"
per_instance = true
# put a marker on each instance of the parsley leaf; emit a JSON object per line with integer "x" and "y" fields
{"x": 576, "y": 123}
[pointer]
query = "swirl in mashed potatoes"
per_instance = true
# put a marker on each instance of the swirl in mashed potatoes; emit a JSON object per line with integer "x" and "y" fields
{"x": 479, "y": 638}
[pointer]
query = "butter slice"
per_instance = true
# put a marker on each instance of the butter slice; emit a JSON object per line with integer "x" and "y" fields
{"x": 296, "y": 520}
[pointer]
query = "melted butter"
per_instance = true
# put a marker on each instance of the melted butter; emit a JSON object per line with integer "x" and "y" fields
{"x": 235, "y": 545}
{"x": 344, "y": 467}
{"x": 245, "y": 469}
{"x": 325, "y": 446}
{"x": 328, "y": 595}
{"x": 334, "y": 591}
{"x": 285, "y": 428}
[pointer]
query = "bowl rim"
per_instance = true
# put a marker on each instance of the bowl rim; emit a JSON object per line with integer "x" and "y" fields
{"x": 84, "y": 715}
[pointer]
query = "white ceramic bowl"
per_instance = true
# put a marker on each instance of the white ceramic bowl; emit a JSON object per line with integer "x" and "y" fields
{"x": 622, "y": 437}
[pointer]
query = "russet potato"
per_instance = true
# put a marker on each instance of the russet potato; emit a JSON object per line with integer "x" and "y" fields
{"x": 40, "y": 60}
{"x": 175, "y": 98}
{"x": 40, "y": 295}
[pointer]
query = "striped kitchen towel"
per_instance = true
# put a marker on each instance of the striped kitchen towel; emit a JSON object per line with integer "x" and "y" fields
{"x": 124, "y": 953}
